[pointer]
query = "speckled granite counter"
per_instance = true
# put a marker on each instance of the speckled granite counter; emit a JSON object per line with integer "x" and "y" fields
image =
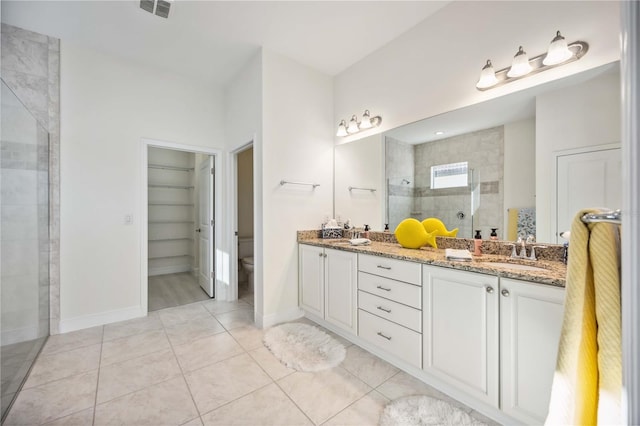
{"x": 554, "y": 273}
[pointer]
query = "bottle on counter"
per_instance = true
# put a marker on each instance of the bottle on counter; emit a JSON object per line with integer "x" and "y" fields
{"x": 386, "y": 227}
{"x": 365, "y": 233}
{"x": 477, "y": 244}
{"x": 494, "y": 234}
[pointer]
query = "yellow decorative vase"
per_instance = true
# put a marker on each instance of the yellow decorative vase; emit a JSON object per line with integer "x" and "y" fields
{"x": 411, "y": 234}
{"x": 433, "y": 224}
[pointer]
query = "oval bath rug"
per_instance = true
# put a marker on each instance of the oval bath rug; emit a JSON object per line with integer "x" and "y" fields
{"x": 422, "y": 411}
{"x": 304, "y": 347}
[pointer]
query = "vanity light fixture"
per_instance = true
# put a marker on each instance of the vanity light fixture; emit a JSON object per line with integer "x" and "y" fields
{"x": 354, "y": 126}
{"x": 559, "y": 53}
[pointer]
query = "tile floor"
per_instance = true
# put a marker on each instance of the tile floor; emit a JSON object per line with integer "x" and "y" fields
{"x": 200, "y": 364}
{"x": 169, "y": 290}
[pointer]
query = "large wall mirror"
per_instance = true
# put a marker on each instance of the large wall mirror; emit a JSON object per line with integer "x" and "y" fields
{"x": 523, "y": 164}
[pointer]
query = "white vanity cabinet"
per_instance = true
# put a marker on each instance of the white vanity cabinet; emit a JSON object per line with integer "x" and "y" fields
{"x": 328, "y": 285}
{"x": 389, "y": 306}
{"x": 460, "y": 330}
{"x": 530, "y": 324}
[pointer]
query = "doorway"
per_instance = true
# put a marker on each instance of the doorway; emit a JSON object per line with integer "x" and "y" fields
{"x": 245, "y": 223}
{"x": 179, "y": 265}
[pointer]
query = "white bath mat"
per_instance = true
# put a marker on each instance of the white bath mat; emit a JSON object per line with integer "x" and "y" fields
{"x": 424, "y": 411}
{"x": 304, "y": 347}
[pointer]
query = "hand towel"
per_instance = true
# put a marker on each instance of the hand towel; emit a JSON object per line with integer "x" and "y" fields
{"x": 587, "y": 383}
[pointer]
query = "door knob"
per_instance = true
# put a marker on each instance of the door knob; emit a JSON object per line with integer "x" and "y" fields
{"x": 198, "y": 230}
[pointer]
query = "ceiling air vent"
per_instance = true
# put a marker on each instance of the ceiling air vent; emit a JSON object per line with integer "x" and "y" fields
{"x": 157, "y": 7}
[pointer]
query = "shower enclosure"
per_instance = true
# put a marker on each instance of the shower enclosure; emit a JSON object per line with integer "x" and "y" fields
{"x": 24, "y": 243}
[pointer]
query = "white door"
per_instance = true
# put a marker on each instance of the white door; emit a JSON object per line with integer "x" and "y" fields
{"x": 460, "y": 330}
{"x": 587, "y": 179}
{"x": 341, "y": 289}
{"x": 530, "y": 324}
{"x": 311, "y": 279}
{"x": 206, "y": 225}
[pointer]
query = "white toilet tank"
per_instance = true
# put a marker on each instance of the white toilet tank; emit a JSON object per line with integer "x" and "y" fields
{"x": 245, "y": 247}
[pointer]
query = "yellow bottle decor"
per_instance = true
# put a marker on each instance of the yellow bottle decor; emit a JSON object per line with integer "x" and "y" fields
{"x": 411, "y": 234}
{"x": 432, "y": 224}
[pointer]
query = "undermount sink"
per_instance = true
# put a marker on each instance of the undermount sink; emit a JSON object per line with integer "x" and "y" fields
{"x": 517, "y": 266}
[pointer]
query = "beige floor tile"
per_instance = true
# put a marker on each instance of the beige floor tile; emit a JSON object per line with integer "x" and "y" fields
{"x": 64, "y": 364}
{"x": 367, "y": 367}
{"x": 324, "y": 394}
{"x": 134, "y": 346}
{"x": 206, "y": 351}
{"x": 81, "y": 418}
{"x": 249, "y": 336}
{"x": 270, "y": 363}
{"x": 225, "y": 381}
{"x": 73, "y": 340}
{"x": 54, "y": 400}
{"x": 166, "y": 403}
{"x": 183, "y": 313}
{"x": 365, "y": 411}
{"x": 402, "y": 384}
{"x": 220, "y": 307}
{"x": 266, "y": 406}
{"x": 194, "y": 422}
{"x": 236, "y": 319}
{"x": 188, "y": 331}
{"x": 128, "y": 376}
{"x": 129, "y": 328}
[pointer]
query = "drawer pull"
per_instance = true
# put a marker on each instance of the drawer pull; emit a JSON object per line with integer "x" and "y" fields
{"x": 382, "y": 335}
{"x": 388, "y": 268}
{"x": 384, "y": 310}
{"x": 383, "y": 288}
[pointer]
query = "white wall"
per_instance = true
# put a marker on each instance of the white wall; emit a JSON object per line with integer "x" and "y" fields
{"x": 519, "y": 167}
{"x": 360, "y": 164}
{"x": 298, "y": 146}
{"x": 433, "y": 68}
{"x": 107, "y": 106}
{"x": 587, "y": 114}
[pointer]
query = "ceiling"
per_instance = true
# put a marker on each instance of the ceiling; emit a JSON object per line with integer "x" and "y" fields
{"x": 212, "y": 40}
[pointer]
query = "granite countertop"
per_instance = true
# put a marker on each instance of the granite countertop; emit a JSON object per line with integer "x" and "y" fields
{"x": 554, "y": 273}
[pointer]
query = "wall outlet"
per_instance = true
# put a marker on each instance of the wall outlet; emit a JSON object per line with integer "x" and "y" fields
{"x": 128, "y": 219}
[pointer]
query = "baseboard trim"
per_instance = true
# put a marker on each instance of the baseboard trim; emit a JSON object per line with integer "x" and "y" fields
{"x": 163, "y": 270}
{"x": 101, "y": 318}
{"x": 279, "y": 317}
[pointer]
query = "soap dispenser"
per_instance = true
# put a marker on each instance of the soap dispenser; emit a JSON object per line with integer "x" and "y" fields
{"x": 365, "y": 234}
{"x": 494, "y": 234}
{"x": 477, "y": 242}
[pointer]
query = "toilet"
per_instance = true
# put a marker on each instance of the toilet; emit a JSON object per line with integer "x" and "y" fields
{"x": 247, "y": 265}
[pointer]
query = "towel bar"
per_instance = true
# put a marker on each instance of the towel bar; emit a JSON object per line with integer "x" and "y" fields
{"x": 284, "y": 182}
{"x": 362, "y": 189}
{"x": 609, "y": 217}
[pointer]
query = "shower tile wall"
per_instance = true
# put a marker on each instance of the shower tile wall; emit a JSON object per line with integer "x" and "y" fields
{"x": 484, "y": 150}
{"x": 31, "y": 69}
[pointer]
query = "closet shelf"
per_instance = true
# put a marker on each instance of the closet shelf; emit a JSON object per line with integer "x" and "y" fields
{"x": 169, "y": 257}
{"x": 167, "y": 167}
{"x": 162, "y": 240}
{"x": 172, "y": 204}
{"x": 171, "y": 186}
{"x": 169, "y": 221}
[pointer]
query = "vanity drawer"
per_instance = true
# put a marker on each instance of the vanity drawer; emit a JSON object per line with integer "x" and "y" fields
{"x": 392, "y": 338}
{"x": 402, "y": 270}
{"x": 397, "y": 291}
{"x": 396, "y": 312}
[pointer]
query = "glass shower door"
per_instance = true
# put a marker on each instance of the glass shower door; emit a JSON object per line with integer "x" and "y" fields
{"x": 24, "y": 243}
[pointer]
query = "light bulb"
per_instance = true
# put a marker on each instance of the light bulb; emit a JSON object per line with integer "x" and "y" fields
{"x": 487, "y": 76}
{"x": 366, "y": 120}
{"x": 520, "y": 65}
{"x": 353, "y": 125}
{"x": 558, "y": 51}
{"x": 342, "y": 129}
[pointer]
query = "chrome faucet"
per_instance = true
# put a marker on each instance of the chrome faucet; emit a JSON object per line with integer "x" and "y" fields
{"x": 514, "y": 254}
{"x": 533, "y": 252}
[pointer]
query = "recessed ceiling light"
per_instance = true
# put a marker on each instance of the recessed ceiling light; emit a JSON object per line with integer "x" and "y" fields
{"x": 439, "y": 132}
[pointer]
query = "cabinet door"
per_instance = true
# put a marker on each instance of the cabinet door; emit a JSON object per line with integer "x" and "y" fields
{"x": 530, "y": 323}
{"x": 341, "y": 289}
{"x": 460, "y": 330}
{"x": 311, "y": 279}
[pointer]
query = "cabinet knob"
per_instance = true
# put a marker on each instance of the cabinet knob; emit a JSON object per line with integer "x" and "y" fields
{"x": 505, "y": 292}
{"x": 489, "y": 289}
{"x": 325, "y": 255}
{"x": 320, "y": 254}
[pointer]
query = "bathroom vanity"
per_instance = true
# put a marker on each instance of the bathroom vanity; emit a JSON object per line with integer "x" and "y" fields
{"x": 485, "y": 334}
